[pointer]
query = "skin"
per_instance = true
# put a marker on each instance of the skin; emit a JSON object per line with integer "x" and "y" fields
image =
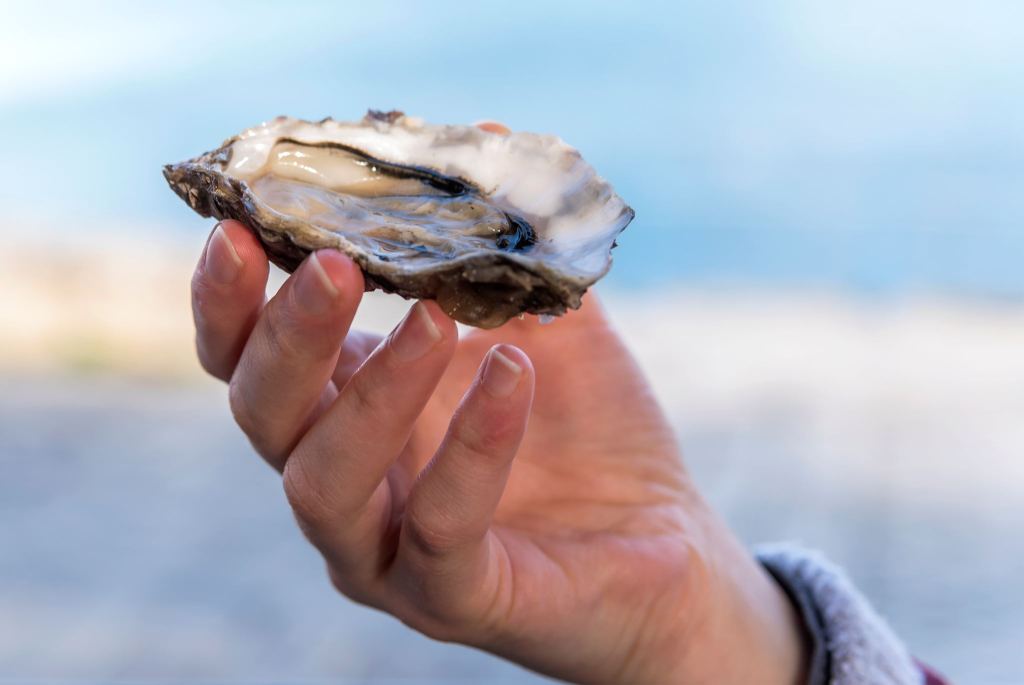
{"x": 518, "y": 490}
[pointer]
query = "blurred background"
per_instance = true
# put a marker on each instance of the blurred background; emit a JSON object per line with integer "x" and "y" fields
{"x": 824, "y": 278}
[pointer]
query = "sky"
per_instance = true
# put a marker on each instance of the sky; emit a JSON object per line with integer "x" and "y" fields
{"x": 875, "y": 147}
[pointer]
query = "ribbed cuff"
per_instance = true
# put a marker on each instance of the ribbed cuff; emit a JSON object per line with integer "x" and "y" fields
{"x": 852, "y": 644}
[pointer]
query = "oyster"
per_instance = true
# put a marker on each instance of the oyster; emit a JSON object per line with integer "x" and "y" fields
{"x": 489, "y": 225}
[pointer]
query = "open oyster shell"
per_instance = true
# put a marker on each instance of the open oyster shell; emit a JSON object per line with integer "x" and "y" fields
{"x": 489, "y": 225}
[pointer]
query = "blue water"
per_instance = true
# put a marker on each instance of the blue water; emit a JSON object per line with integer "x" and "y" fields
{"x": 869, "y": 148}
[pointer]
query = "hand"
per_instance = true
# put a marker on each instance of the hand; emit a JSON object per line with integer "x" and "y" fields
{"x": 518, "y": 489}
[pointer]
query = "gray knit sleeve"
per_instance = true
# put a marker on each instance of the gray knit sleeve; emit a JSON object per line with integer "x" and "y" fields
{"x": 852, "y": 644}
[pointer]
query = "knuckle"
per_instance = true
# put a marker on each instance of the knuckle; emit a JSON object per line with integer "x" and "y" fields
{"x": 310, "y": 508}
{"x": 426, "y": 537}
{"x": 264, "y": 433}
{"x": 340, "y": 583}
{"x": 294, "y": 337}
{"x": 356, "y": 589}
{"x": 475, "y": 442}
{"x": 369, "y": 396}
{"x": 436, "y": 625}
{"x": 438, "y": 610}
{"x": 282, "y": 334}
{"x": 240, "y": 408}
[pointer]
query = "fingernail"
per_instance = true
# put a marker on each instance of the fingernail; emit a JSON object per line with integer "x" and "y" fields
{"x": 314, "y": 291}
{"x": 416, "y": 335}
{"x": 492, "y": 126}
{"x": 501, "y": 374}
{"x": 222, "y": 262}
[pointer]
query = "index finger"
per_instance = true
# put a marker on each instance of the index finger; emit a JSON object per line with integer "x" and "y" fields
{"x": 228, "y": 293}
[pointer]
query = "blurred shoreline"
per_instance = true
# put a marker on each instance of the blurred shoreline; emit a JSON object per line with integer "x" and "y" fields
{"x": 87, "y": 308}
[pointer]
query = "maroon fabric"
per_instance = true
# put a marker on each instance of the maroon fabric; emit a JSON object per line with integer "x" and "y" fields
{"x": 931, "y": 676}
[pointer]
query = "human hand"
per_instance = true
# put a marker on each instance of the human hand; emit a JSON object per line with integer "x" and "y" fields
{"x": 518, "y": 489}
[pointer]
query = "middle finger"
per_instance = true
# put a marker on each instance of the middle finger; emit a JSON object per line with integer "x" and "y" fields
{"x": 286, "y": 366}
{"x": 339, "y": 479}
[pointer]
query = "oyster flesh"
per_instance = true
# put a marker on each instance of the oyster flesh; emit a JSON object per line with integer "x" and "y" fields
{"x": 489, "y": 225}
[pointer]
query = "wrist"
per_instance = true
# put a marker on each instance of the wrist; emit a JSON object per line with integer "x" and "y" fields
{"x": 742, "y": 626}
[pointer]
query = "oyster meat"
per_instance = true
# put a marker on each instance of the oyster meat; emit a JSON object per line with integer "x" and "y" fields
{"x": 489, "y": 225}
